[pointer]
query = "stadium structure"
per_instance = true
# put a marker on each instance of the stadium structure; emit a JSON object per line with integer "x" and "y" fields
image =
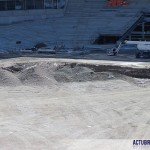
{"x": 30, "y": 4}
{"x": 78, "y": 22}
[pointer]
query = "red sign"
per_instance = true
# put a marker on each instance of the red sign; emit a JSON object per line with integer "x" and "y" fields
{"x": 117, "y": 3}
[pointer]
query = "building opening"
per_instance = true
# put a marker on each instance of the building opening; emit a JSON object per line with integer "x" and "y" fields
{"x": 107, "y": 39}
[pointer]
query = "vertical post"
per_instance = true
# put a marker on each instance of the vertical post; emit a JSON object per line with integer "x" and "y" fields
{"x": 6, "y": 8}
{"x": 34, "y": 4}
{"x": 143, "y": 30}
{"x": 130, "y": 37}
{"x": 24, "y": 5}
{"x": 43, "y": 4}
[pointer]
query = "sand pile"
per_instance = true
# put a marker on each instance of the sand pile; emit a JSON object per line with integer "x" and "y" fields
{"x": 29, "y": 74}
{"x": 37, "y": 74}
{"x": 79, "y": 74}
{"x": 51, "y": 74}
{"x": 8, "y": 79}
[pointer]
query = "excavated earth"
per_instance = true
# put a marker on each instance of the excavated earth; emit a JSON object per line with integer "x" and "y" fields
{"x": 53, "y": 104}
{"x": 50, "y": 74}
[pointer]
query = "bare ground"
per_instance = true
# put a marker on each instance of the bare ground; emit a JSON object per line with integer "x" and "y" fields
{"x": 51, "y": 104}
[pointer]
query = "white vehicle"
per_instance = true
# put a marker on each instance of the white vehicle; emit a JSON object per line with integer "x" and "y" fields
{"x": 142, "y": 46}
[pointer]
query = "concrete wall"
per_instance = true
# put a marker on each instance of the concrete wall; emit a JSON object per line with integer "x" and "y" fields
{"x": 8, "y": 17}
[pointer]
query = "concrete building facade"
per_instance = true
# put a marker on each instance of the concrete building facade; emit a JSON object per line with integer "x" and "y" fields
{"x": 31, "y": 4}
{"x": 78, "y": 23}
{"x": 21, "y": 10}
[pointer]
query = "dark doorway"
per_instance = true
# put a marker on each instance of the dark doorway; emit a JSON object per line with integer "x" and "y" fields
{"x": 39, "y": 4}
{"x": 107, "y": 39}
{"x": 29, "y": 4}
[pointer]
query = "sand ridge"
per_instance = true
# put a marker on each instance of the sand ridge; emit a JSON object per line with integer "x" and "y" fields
{"x": 51, "y": 74}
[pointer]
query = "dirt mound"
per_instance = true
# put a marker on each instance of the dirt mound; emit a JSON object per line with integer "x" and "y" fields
{"x": 38, "y": 74}
{"x": 8, "y": 79}
{"x": 51, "y": 74}
{"x": 31, "y": 74}
{"x": 79, "y": 74}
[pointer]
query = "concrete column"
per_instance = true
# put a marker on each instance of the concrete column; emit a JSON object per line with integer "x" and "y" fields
{"x": 25, "y": 5}
{"x": 43, "y": 4}
{"x": 6, "y": 6}
{"x": 130, "y": 37}
{"x": 143, "y": 30}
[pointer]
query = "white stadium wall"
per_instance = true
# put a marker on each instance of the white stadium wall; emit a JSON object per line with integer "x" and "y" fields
{"x": 24, "y": 10}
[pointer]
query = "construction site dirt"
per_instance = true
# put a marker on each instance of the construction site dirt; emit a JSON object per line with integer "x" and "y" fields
{"x": 69, "y": 104}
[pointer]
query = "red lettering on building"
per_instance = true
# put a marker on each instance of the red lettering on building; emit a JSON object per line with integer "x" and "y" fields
{"x": 117, "y": 3}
